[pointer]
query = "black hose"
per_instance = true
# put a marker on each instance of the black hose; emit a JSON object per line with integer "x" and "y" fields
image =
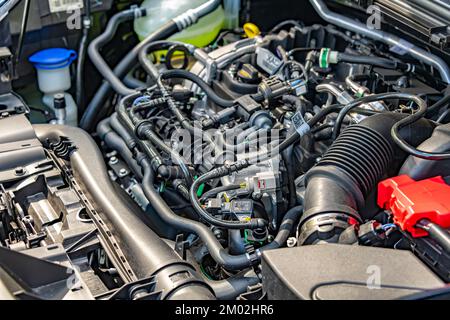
{"x": 184, "y": 121}
{"x": 218, "y": 253}
{"x": 262, "y": 156}
{"x": 436, "y": 232}
{"x": 167, "y": 30}
{"x": 373, "y": 98}
{"x": 122, "y": 131}
{"x": 115, "y": 142}
{"x": 285, "y": 23}
{"x": 231, "y": 288}
{"x": 227, "y": 224}
{"x": 290, "y": 219}
{"x": 186, "y": 75}
{"x": 404, "y": 145}
{"x": 23, "y": 30}
{"x": 440, "y": 104}
{"x": 290, "y": 172}
{"x": 144, "y": 130}
{"x": 95, "y": 106}
{"x": 167, "y": 172}
{"x": 287, "y": 154}
{"x": 215, "y": 191}
{"x": 147, "y": 132}
{"x": 79, "y": 95}
{"x": 385, "y": 64}
{"x": 148, "y": 65}
{"x": 231, "y": 262}
{"x": 97, "y": 44}
{"x": 370, "y": 60}
{"x": 178, "y": 204}
{"x": 173, "y": 107}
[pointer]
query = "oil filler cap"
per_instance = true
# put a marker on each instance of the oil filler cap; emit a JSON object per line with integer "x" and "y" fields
{"x": 411, "y": 201}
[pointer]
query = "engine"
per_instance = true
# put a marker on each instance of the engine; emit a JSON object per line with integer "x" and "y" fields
{"x": 306, "y": 162}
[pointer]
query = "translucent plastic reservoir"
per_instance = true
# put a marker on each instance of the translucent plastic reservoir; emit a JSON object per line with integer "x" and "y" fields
{"x": 161, "y": 11}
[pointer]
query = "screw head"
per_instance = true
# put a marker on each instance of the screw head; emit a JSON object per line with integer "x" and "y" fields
{"x": 291, "y": 242}
{"x": 113, "y": 160}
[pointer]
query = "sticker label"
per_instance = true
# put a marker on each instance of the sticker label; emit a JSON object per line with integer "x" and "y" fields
{"x": 64, "y": 5}
{"x": 267, "y": 61}
{"x": 402, "y": 48}
{"x": 300, "y": 124}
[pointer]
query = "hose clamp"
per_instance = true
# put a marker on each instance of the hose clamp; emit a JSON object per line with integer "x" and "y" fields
{"x": 138, "y": 12}
{"x": 141, "y": 127}
{"x": 186, "y": 19}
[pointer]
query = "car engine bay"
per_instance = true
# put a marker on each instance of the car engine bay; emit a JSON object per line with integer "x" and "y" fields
{"x": 295, "y": 161}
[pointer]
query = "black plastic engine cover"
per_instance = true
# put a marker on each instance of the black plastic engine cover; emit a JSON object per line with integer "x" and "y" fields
{"x": 334, "y": 272}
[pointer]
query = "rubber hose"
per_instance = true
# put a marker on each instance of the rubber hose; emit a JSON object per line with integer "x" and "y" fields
{"x": 290, "y": 219}
{"x": 115, "y": 142}
{"x": 231, "y": 288}
{"x": 361, "y": 156}
{"x": 95, "y": 106}
{"x": 167, "y": 30}
{"x": 186, "y": 75}
{"x": 218, "y": 253}
{"x": 97, "y": 44}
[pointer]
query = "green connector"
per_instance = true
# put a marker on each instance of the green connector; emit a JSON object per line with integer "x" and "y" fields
{"x": 323, "y": 58}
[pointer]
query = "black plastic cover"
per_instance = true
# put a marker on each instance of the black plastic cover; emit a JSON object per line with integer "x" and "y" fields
{"x": 335, "y": 272}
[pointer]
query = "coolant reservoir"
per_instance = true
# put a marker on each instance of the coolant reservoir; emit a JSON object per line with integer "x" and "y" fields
{"x": 161, "y": 11}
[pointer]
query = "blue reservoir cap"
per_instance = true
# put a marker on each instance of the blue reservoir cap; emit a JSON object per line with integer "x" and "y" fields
{"x": 54, "y": 58}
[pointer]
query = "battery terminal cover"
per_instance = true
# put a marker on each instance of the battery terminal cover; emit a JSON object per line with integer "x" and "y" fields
{"x": 411, "y": 201}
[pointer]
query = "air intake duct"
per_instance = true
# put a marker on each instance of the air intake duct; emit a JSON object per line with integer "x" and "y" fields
{"x": 150, "y": 257}
{"x": 337, "y": 188}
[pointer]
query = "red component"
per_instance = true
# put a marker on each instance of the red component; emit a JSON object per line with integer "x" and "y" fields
{"x": 411, "y": 201}
{"x": 352, "y": 221}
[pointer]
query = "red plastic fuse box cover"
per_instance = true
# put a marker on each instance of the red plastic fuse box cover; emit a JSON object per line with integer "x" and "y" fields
{"x": 411, "y": 201}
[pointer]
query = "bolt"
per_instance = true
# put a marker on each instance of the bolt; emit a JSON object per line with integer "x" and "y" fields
{"x": 256, "y": 196}
{"x": 218, "y": 234}
{"x": 291, "y": 242}
{"x": 27, "y": 220}
{"x": 123, "y": 172}
{"x": 113, "y": 160}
